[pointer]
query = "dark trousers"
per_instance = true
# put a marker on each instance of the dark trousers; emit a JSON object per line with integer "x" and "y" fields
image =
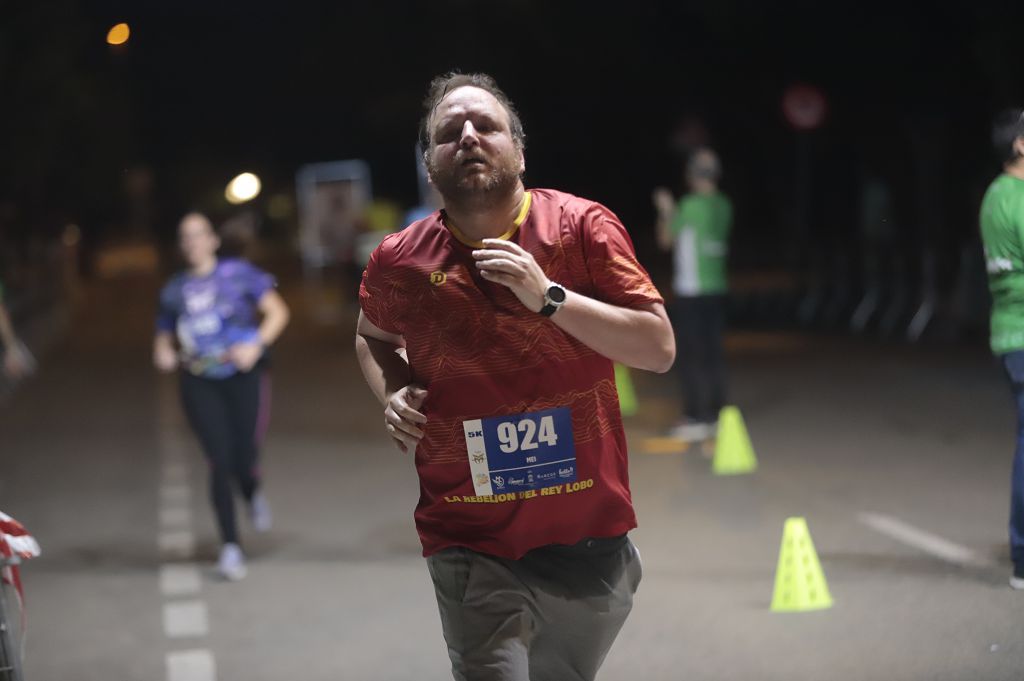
{"x": 1013, "y": 364}
{"x": 225, "y": 415}
{"x": 698, "y": 322}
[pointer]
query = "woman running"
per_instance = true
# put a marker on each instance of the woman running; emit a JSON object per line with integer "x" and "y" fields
{"x": 217, "y": 318}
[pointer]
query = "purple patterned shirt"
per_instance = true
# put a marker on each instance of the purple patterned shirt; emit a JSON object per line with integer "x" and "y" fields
{"x": 210, "y": 313}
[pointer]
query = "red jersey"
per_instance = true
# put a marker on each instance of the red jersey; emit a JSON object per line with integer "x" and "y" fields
{"x": 481, "y": 354}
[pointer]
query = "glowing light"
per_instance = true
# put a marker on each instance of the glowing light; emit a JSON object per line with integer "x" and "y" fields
{"x": 118, "y": 34}
{"x": 245, "y": 187}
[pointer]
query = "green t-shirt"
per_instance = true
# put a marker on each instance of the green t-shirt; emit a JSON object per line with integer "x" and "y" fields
{"x": 1002, "y": 233}
{"x": 700, "y": 228}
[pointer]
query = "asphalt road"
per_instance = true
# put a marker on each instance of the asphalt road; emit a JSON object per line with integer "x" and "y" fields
{"x": 897, "y": 457}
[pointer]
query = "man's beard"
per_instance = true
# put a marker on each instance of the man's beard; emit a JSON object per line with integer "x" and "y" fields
{"x": 478, "y": 188}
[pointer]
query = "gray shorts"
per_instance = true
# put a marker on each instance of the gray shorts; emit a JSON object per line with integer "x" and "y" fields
{"x": 552, "y": 615}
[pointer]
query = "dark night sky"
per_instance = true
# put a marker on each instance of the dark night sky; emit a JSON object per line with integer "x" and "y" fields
{"x": 203, "y": 90}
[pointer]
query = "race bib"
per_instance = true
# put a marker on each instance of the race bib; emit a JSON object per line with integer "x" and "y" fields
{"x": 521, "y": 452}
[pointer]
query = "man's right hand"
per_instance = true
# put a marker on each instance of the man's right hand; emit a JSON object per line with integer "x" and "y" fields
{"x": 402, "y": 417}
{"x": 165, "y": 359}
{"x": 663, "y": 201}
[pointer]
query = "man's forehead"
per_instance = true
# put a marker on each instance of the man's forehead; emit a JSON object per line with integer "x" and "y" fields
{"x": 466, "y": 98}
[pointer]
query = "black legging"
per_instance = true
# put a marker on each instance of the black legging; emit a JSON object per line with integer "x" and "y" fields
{"x": 698, "y": 323}
{"x": 225, "y": 414}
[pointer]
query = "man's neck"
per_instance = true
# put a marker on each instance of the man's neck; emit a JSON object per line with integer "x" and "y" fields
{"x": 704, "y": 187}
{"x": 478, "y": 222}
{"x": 1015, "y": 169}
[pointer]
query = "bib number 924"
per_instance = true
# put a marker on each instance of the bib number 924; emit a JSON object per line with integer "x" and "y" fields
{"x": 526, "y": 435}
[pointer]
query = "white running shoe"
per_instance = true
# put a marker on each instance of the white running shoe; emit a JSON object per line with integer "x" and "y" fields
{"x": 1016, "y": 582}
{"x": 259, "y": 513}
{"x": 231, "y": 565}
{"x": 693, "y": 431}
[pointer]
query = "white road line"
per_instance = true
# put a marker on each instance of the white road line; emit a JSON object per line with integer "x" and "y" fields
{"x": 179, "y": 579}
{"x": 191, "y": 665}
{"x": 174, "y": 471}
{"x": 173, "y": 447}
{"x": 177, "y": 544}
{"x": 184, "y": 619}
{"x": 922, "y": 540}
{"x": 176, "y": 493}
{"x": 175, "y": 517}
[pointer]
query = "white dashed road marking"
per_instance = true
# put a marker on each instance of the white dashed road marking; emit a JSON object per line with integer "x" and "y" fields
{"x": 191, "y": 665}
{"x": 179, "y": 579}
{"x": 185, "y": 619}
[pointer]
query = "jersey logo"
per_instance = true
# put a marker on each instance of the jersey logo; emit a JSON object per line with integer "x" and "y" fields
{"x": 438, "y": 278}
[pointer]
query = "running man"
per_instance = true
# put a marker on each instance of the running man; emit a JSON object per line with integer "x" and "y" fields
{"x": 488, "y": 332}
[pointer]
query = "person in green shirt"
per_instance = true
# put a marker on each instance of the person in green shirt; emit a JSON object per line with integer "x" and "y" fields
{"x": 696, "y": 230}
{"x": 1002, "y": 233}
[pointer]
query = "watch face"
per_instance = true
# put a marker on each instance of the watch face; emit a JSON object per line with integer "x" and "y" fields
{"x": 556, "y": 294}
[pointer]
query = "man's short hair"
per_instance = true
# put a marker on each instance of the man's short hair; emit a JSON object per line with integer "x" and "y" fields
{"x": 442, "y": 85}
{"x": 1008, "y": 126}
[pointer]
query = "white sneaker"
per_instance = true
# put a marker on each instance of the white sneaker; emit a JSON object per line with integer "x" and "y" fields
{"x": 692, "y": 431}
{"x": 231, "y": 565}
{"x": 1016, "y": 582}
{"x": 259, "y": 513}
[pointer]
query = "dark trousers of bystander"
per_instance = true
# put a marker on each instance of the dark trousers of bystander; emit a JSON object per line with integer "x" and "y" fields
{"x": 699, "y": 322}
{"x": 1013, "y": 364}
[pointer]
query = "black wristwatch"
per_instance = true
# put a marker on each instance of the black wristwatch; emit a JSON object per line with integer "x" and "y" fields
{"x": 554, "y": 298}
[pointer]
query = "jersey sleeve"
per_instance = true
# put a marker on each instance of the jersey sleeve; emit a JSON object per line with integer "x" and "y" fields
{"x": 681, "y": 216}
{"x": 1017, "y": 218}
{"x": 167, "y": 311}
{"x": 376, "y": 297}
{"x": 617, "y": 275}
{"x": 257, "y": 281}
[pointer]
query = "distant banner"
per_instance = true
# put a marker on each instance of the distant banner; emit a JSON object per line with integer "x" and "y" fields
{"x": 332, "y": 198}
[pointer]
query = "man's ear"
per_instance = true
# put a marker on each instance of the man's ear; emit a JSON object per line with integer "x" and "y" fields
{"x": 1018, "y": 146}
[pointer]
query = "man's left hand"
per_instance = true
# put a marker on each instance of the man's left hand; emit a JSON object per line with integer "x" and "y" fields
{"x": 509, "y": 264}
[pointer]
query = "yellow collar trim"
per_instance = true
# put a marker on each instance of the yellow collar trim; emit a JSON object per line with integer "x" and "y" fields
{"x": 520, "y": 219}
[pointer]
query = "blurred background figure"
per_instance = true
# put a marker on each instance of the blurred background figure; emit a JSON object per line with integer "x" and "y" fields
{"x": 17, "y": 360}
{"x": 1002, "y": 232}
{"x": 223, "y": 315}
{"x": 696, "y": 230}
{"x": 430, "y": 198}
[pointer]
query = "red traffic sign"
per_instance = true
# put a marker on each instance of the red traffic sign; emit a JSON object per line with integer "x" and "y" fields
{"x": 804, "y": 106}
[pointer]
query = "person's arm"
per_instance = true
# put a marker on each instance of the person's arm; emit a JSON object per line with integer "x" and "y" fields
{"x": 637, "y": 337}
{"x": 16, "y": 363}
{"x": 664, "y": 206}
{"x": 165, "y": 357}
{"x": 383, "y": 361}
{"x": 7, "y": 338}
{"x": 275, "y": 316}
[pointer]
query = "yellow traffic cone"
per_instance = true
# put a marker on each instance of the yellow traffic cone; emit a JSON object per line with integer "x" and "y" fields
{"x": 799, "y": 581}
{"x": 624, "y": 386}
{"x": 733, "y": 452}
